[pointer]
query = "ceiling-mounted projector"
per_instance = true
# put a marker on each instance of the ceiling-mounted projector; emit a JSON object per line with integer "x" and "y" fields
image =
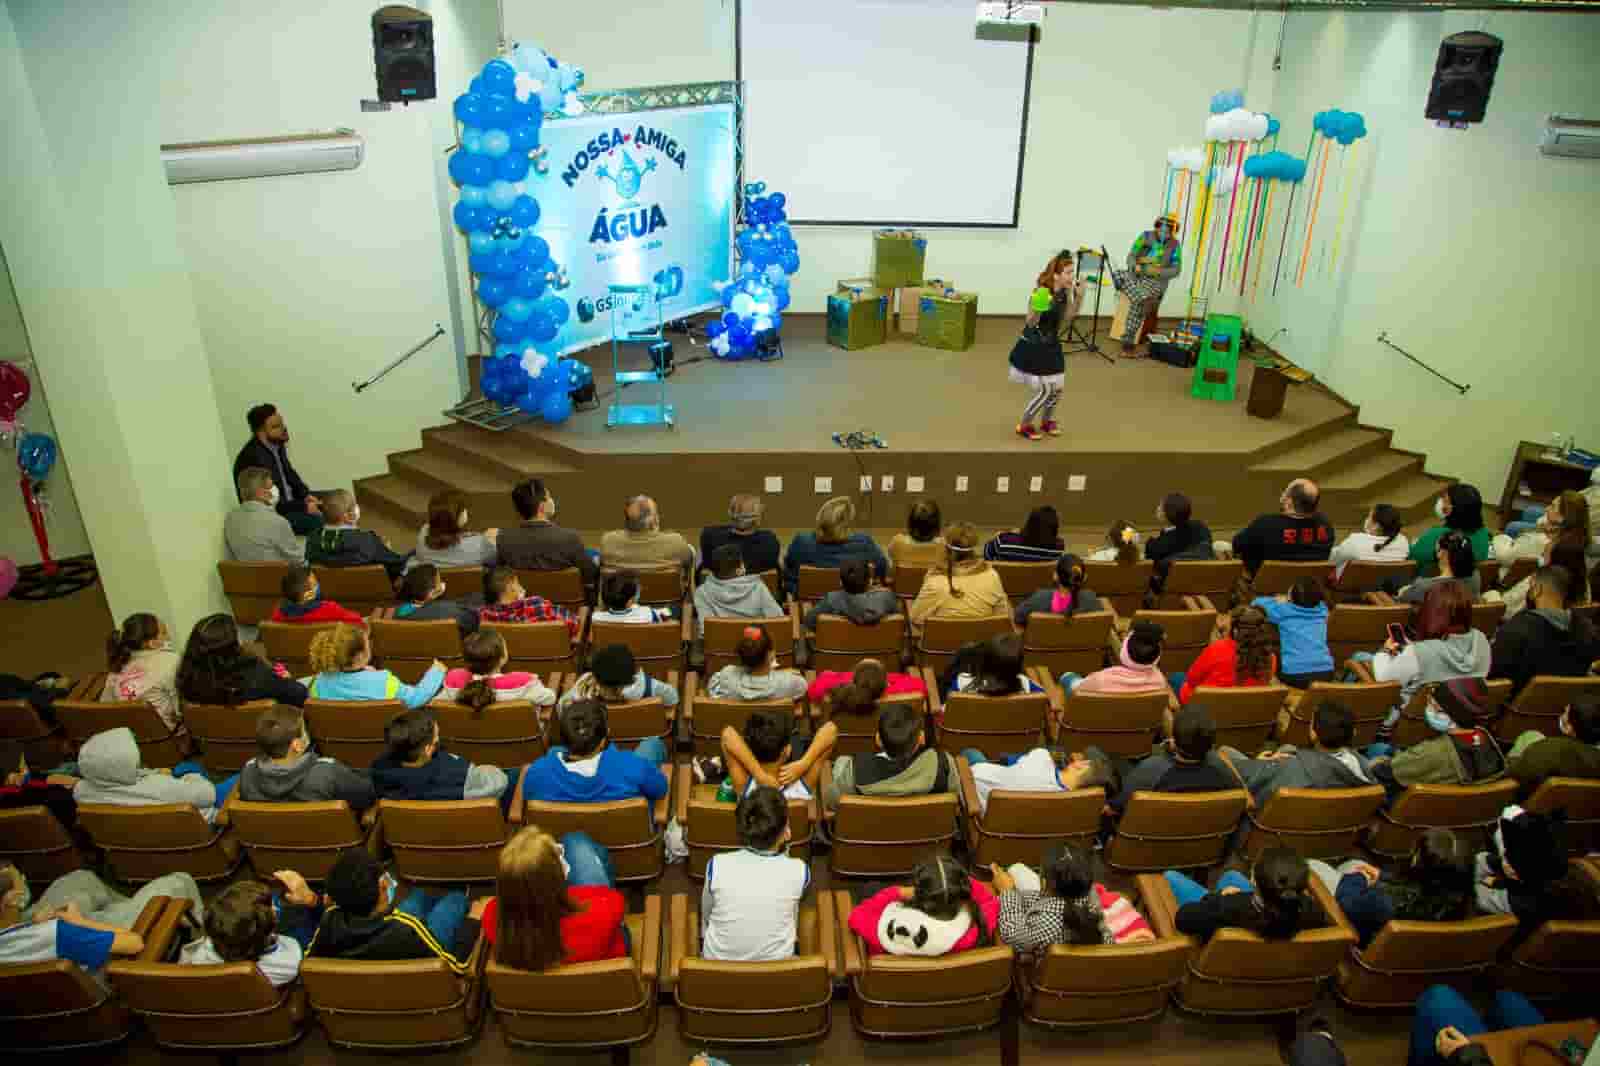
{"x": 1006, "y": 20}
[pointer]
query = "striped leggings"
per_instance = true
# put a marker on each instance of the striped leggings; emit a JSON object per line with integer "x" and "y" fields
{"x": 1043, "y": 404}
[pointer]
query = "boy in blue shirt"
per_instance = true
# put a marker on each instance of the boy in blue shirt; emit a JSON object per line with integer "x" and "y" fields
{"x": 1302, "y": 621}
{"x": 587, "y": 768}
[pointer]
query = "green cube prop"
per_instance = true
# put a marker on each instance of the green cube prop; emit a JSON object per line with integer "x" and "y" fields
{"x": 857, "y": 320}
{"x": 947, "y": 320}
{"x": 1217, "y": 369}
{"x": 898, "y": 258}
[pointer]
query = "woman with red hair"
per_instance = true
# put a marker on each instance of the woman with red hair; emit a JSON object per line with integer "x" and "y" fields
{"x": 1036, "y": 358}
{"x": 1446, "y": 645}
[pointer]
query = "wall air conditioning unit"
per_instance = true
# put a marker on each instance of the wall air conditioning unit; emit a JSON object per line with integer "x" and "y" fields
{"x": 1008, "y": 20}
{"x": 262, "y": 157}
{"x": 1576, "y": 137}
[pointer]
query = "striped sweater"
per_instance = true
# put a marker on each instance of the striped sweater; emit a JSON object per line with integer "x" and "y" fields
{"x": 1032, "y": 921}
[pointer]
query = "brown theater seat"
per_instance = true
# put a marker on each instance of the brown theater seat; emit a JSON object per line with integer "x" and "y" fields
{"x": 1561, "y": 959}
{"x": 43, "y": 745}
{"x": 1212, "y": 579}
{"x": 508, "y": 735}
{"x": 625, "y": 827}
{"x": 1364, "y": 575}
{"x": 289, "y": 643}
{"x": 1245, "y": 717}
{"x": 351, "y": 730}
{"x": 706, "y": 716}
{"x": 82, "y": 715}
{"x": 1354, "y": 627}
{"x": 1520, "y": 570}
{"x": 1422, "y": 807}
{"x": 941, "y": 638}
{"x": 709, "y": 827}
{"x": 658, "y": 647}
{"x": 37, "y": 844}
{"x": 722, "y": 636}
{"x": 783, "y": 1001}
{"x": 816, "y": 582}
{"x": 147, "y": 842}
{"x": 907, "y": 582}
{"x": 1489, "y": 574}
{"x": 1413, "y": 727}
{"x": 462, "y": 581}
{"x": 541, "y": 647}
{"x": 57, "y": 1006}
{"x": 1539, "y": 705}
{"x": 1021, "y": 580}
{"x": 585, "y": 1006}
{"x": 362, "y": 589}
{"x": 858, "y": 733}
{"x": 1238, "y": 973}
{"x": 406, "y": 649}
{"x": 659, "y": 586}
{"x": 253, "y": 589}
{"x": 1019, "y": 826}
{"x": 1175, "y": 831}
{"x": 1124, "y": 587}
{"x": 1511, "y": 1047}
{"x": 1118, "y": 723}
{"x": 397, "y": 1006}
{"x": 226, "y": 734}
{"x": 884, "y": 836}
{"x": 1318, "y": 823}
{"x": 1188, "y": 633}
{"x": 839, "y": 643}
{"x": 564, "y": 588}
{"x": 1486, "y": 617}
{"x": 1275, "y": 577}
{"x": 1058, "y": 643}
{"x": 900, "y": 996}
{"x": 1580, "y": 798}
{"x": 305, "y": 837}
{"x": 1406, "y": 957}
{"x": 438, "y": 841}
{"x": 1369, "y": 700}
{"x": 995, "y": 725}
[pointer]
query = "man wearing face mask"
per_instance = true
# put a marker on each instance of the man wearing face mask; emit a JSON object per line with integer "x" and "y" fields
{"x": 255, "y": 532}
{"x": 341, "y": 543}
{"x": 538, "y": 543}
{"x": 268, "y": 447}
{"x": 1153, "y": 261}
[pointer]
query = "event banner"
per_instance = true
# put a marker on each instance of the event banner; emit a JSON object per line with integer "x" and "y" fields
{"x": 638, "y": 198}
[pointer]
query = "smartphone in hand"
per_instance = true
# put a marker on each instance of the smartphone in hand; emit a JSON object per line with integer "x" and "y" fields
{"x": 1397, "y": 633}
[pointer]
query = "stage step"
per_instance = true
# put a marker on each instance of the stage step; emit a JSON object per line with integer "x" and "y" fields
{"x": 1327, "y": 454}
{"x": 509, "y": 457}
{"x": 436, "y": 469}
{"x": 1413, "y": 495}
{"x": 1371, "y": 476}
{"x": 400, "y": 500}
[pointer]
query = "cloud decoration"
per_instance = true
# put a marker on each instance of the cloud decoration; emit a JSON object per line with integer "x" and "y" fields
{"x": 1227, "y": 100}
{"x": 1346, "y": 127}
{"x": 1279, "y": 165}
{"x": 1193, "y": 159}
{"x": 1273, "y": 125}
{"x": 1236, "y": 125}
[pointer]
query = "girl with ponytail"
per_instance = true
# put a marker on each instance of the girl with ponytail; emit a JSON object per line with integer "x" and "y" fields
{"x": 969, "y": 586}
{"x": 942, "y": 910}
{"x": 483, "y": 681}
{"x": 1068, "y": 596}
{"x": 143, "y": 667}
{"x": 342, "y": 659}
{"x": 1122, "y": 545}
{"x": 1274, "y": 901}
{"x": 1065, "y": 906}
{"x": 1379, "y": 540}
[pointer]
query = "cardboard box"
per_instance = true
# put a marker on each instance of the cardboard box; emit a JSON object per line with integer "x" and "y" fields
{"x": 858, "y": 321}
{"x": 948, "y": 322}
{"x": 909, "y": 298}
{"x": 898, "y": 258}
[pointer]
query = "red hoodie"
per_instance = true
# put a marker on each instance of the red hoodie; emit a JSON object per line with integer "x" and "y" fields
{"x": 827, "y": 680}
{"x": 1215, "y": 668}
{"x": 326, "y": 611}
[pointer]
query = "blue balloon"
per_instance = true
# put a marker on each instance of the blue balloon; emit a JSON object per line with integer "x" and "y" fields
{"x": 513, "y": 166}
{"x": 529, "y": 284}
{"x": 499, "y": 77}
{"x": 474, "y": 195}
{"x": 715, "y": 329}
{"x": 481, "y": 263}
{"x": 506, "y": 356}
{"x": 541, "y": 326}
{"x": 557, "y": 308}
{"x": 502, "y": 194}
{"x": 462, "y": 168}
{"x": 479, "y": 242}
{"x": 471, "y": 108}
{"x": 538, "y": 249}
{"x": 524, "y": 136}
{"x": 36, "y": 454}
{"x": 509, "y": 329}
{"x": 556, "y": 406}
{"x": 492, "y": 292}
{"x": 517, "y": 308}
{"x": 496, "y": 143}
{"x": 525, "y": 213}
{"x": 498, "y": 111}
{"x": 472, "y": 139}
{"x": 465, "y": 216}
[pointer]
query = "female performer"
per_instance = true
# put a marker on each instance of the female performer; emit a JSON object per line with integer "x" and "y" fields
{"x": 1036, "y": 358}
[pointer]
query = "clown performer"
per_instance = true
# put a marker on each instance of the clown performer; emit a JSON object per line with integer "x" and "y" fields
{"x": 1036, "y": 359}
{"x": 1153, "y": 261}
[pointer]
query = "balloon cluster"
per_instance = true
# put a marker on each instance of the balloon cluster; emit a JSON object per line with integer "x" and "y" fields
{"x": 501, "y": 113}
{"x": 36, "y": 455}
{"x": 754, "y": 301}
{"x": 1238, "y": 124}
{"x": 1346, "y": 127}
{"x": 15, "y": 388}
{"x": 1279, "y": 165}
{"x": 1227, "y": 100}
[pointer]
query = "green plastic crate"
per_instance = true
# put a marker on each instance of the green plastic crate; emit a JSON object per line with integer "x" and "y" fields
{"x": 898, "y": 258}
{"x": 947, "y": 321}
{"x": 857, "y": 322}
{"x": 1216, "y": 372}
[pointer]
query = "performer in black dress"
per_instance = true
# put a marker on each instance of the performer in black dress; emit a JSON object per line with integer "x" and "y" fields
{"x": 1036, "y": 358}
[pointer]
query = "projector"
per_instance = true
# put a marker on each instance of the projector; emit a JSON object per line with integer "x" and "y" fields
{"x": 1006, "y": 20}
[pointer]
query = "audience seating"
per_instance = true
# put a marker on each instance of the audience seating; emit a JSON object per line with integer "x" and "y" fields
{"x": 629, "y": 723}
{"x": 1212, "y": 579}
{"x": 407, "y": 649}
{"x": 1363, "y": 575}
{"x": 289, "y": 643}
{"x": 774, "y": 583}
{"x": 706, "y": 716}
{"x": 1514, "y": 1045}
{"x": 1117, "y": 723}
{"x": 1318, "y": 823}
{"x": 659, "y": 586}
{"x": 224, "y": 1008}
{"x": 1019, "y": 826}
{"x": 1275, "y": 577}
{"x": 1175, "y": 830}
{"x": 1486, "y": 617}
{"x": 995, "y": 725}
{"x": 508, "y": 735}
{"x": 941, "y": 638}
{"x": 1519, "y": 571}
{"x": 839, "y": 643}
{"x": 1123, "y": 586}
{"x": 709, "y": 827}
{"x": 304, "y": 837}
{"x": 722, "y": 636}
{"x": 1407, "y": 957}
{"x": 1413, "y": 727}
{"x": 1488, "y": 571}
{"x": 628, "y": 828}
{"x": 1061, "y": 643}
{"x": 858, "y": 734}
{"x": 37, "y": 844}
{"x": 1188, "y": 632}
{"x": 254, "y": 590}
{"x": 816, "y": 582}
{"x": 657, "y": 646}
{"x": 1580, "y": 798}
{"x": 396, "y": 1006}
{"x": 896, "y": 996}
{"x": 350, "y": 730}
{"x": 1423, "y": 807}
{"x": 1238, "y": 973}
{"x": 541, "y": 647}
{"x": 82, "y": 715}
{"x": 143, "y": 843}
{"x": 43, "y": 745}
{"x": 462, "y": 581}
{"x": 907, "y": 582}
{"x": 1244, "y": 716}
{"x": 886, "y": 836}
{"x": 1370, "y": 701}
{"x": 444, "y": 841}
{"x": 1540, "y": 704}
{"x": 748, "y": 1003}
{"x": 1561, "y": 958}
{"x": 362, "y": 589}
{"x": 1021, "y": 580}
{"x": 58, "y": 1006}
{"x": 564, "y": 588}
{"x": 1354, "y": 627}
{"x": 227, "y": 735}
{"x": 586, "y": 1006}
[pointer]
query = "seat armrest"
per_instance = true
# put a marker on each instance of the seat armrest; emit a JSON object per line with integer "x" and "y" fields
{"x": 969, "y": 788}
{"x": 88, "y": 689}
{"x": 1052, "y": 689}
{"x": 583, "y": 627}
{"x": 691, "y": 685}
{"x": 675, "y": 680}
{"x": 1161, "y": 906}
{"x": 688, "y": 621}
{"x": 678, "y": 934}
{"x": 824, "y": 783}
{"x": 168, "y": 914}
{"x": 794, "y": 621}
{"x": 515, "y": 811}
{"x": 650, "y": 954}
{"x": 849, "y": 949}
{"x": 369, "y": 817}
{"x": 935, "y": 702}
{"x": 1362, "y": 670}
{"x": 662, "y": 811}
{"x": 828, "y": 934}
{"x": 1330, "y": 908}
{"x": 479, "y": 957}
{"x": 680, "y": 793}
{"x": 1118, "y": 623}
{"x": 1380, "y": 599}
{"x": 1204, "y": 603}
{"x": 1192, "y": 603}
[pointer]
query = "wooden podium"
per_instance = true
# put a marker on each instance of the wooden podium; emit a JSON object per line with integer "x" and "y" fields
{"x": 1268, "y": 388}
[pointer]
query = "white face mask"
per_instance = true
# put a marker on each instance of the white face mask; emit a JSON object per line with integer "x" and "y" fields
{"x": 272, "y": 496}
{"x": 1437, "y": 720}
{"x": 549, "y": 507}
{"x": 164, "y": 645}
{"x": 1438, "y": 508}
{"x": 355, "y": 516}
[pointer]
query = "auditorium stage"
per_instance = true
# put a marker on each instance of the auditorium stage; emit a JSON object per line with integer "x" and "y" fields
{"x": 1130, "y": 428}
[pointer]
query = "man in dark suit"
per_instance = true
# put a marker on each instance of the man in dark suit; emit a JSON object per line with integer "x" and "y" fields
{"x": 268, "y": 447}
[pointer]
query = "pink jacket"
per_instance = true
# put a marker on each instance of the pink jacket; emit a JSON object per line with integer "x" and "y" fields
{"x": 1129, "y": 677}
{"x": 1121, "y": 918}
{"x": 864, "y": 918}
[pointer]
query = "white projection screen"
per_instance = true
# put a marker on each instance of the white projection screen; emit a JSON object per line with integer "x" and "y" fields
{"x": 883, "y": 112}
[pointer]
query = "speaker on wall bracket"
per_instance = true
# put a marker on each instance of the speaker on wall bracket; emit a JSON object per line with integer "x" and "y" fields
{"x": 402, "y": 52}
{"x": 1462, "y": 77}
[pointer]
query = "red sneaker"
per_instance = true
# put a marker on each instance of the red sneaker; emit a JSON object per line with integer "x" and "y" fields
{"x": 1051, "y": 428}
{"x": 1026, "y": 430}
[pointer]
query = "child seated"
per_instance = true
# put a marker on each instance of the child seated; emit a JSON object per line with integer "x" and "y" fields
{"x": 414, "y": 768}
{"x": 1302, "y": 621}
{"x": 110, "y": 771}
{"x": 1434, "y": 886}
{"x": 587, "y": 768}
{"x": 1068, "y": 596}
{"x": 750, "y": 906}
{"x": 505, "y": 600}
{"x": 1273, "y": 902}
{"x": 730, "y": 592}
{"x": 903, "y": 765}
{"x": 422, "y": 600}
{"x": 855, "y": 599}
{"x": 755, "y": 676}
{"x": 342, "y": 659}
{"x": 1122, "y": 545}
{"x": 303, "y": 602}
{"x": 614, "y": 677}
{"x": 619, "y": 601}
{"x": 1066, "y": 906}
{"x": 1138, "y": 668}
{"x": 996, "y": 670}
{"x": 483, "y": 683}
{"x": 79, "y": 918}
{"x": 1522, "y": 875}
{"x": 1036, "y": 771}
{"x": 242, "y": 926}
{"x": 870, "y": 676}
{"x": 561, "y": 903}
{"x": 942, "y": 910}
{"x": 759, "y": 756}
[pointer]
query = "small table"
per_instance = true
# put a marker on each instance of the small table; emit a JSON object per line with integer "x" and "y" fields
{"x": 1547, "y": 478}
{"x": 636, "y": 319}
{"x": 1505, "y": 1047}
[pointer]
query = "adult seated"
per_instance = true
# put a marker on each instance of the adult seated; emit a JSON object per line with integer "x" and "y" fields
{"x": 340, "y": 541}
{"x": 287, "y": 768}
{"x": 254, "y": 532}
{"x": 1185, "y": 763}
{"x": 587, "y": 768}
{"x": 1459, "y": 507}
{"x": 1547, "y": 638}
{"x": 1574, "y": 752}
{"x": 642, "y": 543}
{"x": 1329, "y": 762}
{"x": 1461, "y": 749}
{"x": 1038, "y": 541}
{"x": 1182, "y": 538}
{"x": 215, "y": 669}
{"x": 1566, "y": 546}
{"x": 79, "y": 918}
{"x": 832, "y": 543}
{"x": 268, "y": 448}
{"x": 759, "y": 548}
{"x": 1445, "y": 645}
{"x": 731, "y": 591}
{"x": 1297, "y": 533}
{"x": 921, "y": 543}
{"x": 538, "y": 543}
{"x": 1379, "y": 540}
{"x": 968, "y": 588}
{"x": 422, "y": 599}
{"x": 903, "y": 765}
{"x": 445, "y": 541}
{"x": 856, "y": 598}
{"x": 1453, "y": 553}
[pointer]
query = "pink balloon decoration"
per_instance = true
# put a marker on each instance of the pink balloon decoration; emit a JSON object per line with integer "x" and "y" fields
{"x": 8, "y": 576}
{"x": 14, "y": 390}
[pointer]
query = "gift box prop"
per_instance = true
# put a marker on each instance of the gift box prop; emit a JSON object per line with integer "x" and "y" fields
{"x": 858, "y": 317}
{"x": 947, "y": 320}
{"x": 909, "y": 301}
{"x": 1216, "y": 370}
{"x": 899, "y": 257}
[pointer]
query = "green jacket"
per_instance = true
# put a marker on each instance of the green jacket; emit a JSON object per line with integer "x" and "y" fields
{"x": 1430, "y": 762}
{"x": 1560, "y": 756}
{"x": 1426, "y": 547}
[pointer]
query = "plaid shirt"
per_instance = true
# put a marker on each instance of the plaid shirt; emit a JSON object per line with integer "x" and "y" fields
{"x": 531, "y": 609}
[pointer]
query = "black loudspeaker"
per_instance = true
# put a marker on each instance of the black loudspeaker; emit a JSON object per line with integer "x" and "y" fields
{"x": 402, "y": 52}
{"x": 1462, "y": 77}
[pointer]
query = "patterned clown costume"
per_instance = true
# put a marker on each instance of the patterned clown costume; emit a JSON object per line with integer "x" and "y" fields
{"x": 1152, "y": 263}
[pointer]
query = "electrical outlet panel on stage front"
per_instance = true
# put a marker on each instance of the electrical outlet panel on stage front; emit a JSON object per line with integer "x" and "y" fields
{"x": 914, "y": 484}
{"x": 774, "y": 484}
{"x": 961, "y": 483}
{"x": 866, "y": 482}
{"x": 887, "y": 483}
{"x": 1036, "y": 484}
{"x": 824, "y": 485}
{"x": 1077, "y": 483}
{"x": 1002, "y": 484}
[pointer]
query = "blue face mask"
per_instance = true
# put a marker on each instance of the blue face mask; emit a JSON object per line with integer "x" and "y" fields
{"x": 1437, "y": 720}
{"x": 390, "y": 880}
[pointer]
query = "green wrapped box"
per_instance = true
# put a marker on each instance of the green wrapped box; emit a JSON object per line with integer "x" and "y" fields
{"x": 947, "y": 320}
{"x": 857, "y": 321}
{"x": 899, "y": 257}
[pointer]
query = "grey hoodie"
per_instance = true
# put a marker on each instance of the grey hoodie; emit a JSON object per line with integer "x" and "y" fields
{"x": 1457, "y": 655}
{"x": 1309, "y": 768}
{"x": 745, "y": 596}
{"x": 862, "y": 608}
{"x": 109, "y": 772}
{"x": 736, "y": 683}
{"x": 309, "y": 779}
